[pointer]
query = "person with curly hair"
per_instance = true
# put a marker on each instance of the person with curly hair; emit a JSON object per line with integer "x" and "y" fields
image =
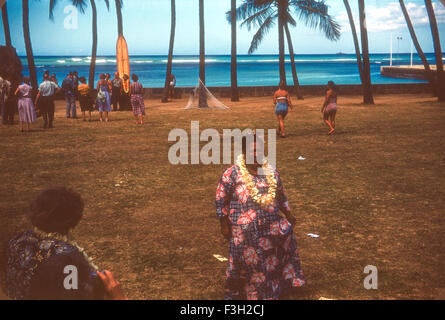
{"x": 40, "y": 261}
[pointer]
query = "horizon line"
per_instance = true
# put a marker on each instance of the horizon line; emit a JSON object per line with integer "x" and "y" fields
{"x": 195, "y": 55}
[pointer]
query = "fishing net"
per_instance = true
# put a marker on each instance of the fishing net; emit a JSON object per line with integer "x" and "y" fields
{"x": 202, "y": 98}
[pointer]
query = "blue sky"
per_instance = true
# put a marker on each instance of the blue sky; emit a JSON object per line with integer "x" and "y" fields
{"x": 147, "y": 28}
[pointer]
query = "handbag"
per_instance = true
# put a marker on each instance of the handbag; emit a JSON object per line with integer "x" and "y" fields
{"x": 101, "y": 96}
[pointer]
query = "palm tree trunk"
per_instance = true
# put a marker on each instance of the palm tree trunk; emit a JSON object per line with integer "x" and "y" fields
{"x": 28, "y": 45}
{"x": 6, "y": 25}
{"x": 170, "y": 51}
{"x": 292, "y": 59}
{"x": 367, "y": 86}
{"x": 282, "y": 61}
{"x": 437, "y": 50}
{"x": 234, "y": 71}
{"x": 354, "y": 36}
{"x": 94, "y": 49}
{"x": 120, "y": 27}
{"x": 202, "y": 71}
{"x": 429, "y": 73}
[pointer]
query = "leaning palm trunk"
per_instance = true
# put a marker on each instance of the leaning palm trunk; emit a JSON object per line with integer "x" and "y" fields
{"x": 202, "y": 70}
{"x": 6, "y": 25}
{"x": 354, "y": 36}
{"x": 94, "y": 49}
{"x": 282, "y": 61}
{"x": 429, "y": 73}
{"x": 120, "y": 27}
{"x": 234, "y": 71}
{"x": 367, "y": 86}
{"x": 170, "y": 51}
{"x": 292, "y": 60}
{"x": 28, "y": 45}
{"x": 437, "y": 50}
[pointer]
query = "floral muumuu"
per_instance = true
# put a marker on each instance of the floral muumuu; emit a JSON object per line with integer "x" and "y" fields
{"x": 183, "y": 151}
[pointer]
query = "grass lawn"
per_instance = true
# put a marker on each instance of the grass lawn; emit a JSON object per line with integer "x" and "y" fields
{"x": 374, "y": 192}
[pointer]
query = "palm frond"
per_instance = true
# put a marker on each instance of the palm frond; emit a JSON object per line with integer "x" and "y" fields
{"x": 314, "y": 14}
{"x": 250, "y": 7}
{"x": 258, "y": 18}
{"x": 262, "y": 31}
{"x": 79, "y": 4}
{"x": 52, "y": 4}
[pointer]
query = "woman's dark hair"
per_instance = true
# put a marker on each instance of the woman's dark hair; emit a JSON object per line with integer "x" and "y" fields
{"x": 83, "y": 80}
{"x": 57, "y": 209}
{"x": 282, "y": 85}
{"x": 331, "y": 85}
{"x": 102, "y": 76}
{"x": 134, "y": 77}
{"x": 26, "y": 80}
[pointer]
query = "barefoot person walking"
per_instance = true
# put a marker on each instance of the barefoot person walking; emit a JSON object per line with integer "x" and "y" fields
{"x": 329, "y": 108}
{"x": 282, "y": 101}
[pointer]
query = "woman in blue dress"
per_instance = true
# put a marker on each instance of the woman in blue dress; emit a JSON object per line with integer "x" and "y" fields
{"x": 103, "y": 97}
{"x": 263, "y": 257}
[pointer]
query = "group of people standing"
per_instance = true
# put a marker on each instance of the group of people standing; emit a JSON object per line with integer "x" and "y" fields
{"x": 109, "y": 95}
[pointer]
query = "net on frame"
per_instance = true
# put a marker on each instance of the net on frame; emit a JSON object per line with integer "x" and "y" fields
{"x": 202, "y": 98}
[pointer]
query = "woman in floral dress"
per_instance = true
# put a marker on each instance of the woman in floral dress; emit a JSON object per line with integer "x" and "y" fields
{"x": 263, "y": 258}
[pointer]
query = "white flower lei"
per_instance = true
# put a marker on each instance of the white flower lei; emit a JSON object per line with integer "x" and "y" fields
{"x": 264, "y": 200}
{"x": 58, "y": 236}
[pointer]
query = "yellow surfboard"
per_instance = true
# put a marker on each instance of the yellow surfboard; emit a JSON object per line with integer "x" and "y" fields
{"x": 123, "y": 62}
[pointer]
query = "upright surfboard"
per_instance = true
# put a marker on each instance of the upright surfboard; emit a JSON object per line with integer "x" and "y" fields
{"x": 123, "y": 62}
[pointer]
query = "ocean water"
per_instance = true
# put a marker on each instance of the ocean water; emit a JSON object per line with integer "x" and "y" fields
{"x": 253, "y": 70}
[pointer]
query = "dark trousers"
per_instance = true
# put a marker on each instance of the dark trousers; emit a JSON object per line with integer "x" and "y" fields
{"x": 115, "y": 97}
{"x": 46, "y": 105}
{"x": 2, "y": 107}
{"x": 10, "y": 109}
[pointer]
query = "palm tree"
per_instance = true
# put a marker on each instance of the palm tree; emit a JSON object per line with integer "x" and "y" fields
{"x": 120, "y": 27}
{"x": 81, "y": 4}
{"x": 292, "y": 61}
{"x": 170, "y": 51}
{"x": 202, "y": 71}
{"x": 234, "y": 69}
{"x": 354, "y": 36}
{"x": 437, "y": 50}
{"x": 429, "y": 73}
{"x": 367, "y": 86}
{"x": 6, "y": 25}
{"x": 264, "y": 13}
{"x": 28, "y": 44}
{"x": 201, "y": 42}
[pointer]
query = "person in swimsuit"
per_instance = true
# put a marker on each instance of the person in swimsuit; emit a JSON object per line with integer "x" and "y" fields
{"x": 282, "y": 101}
{"x": 329, "y": 108}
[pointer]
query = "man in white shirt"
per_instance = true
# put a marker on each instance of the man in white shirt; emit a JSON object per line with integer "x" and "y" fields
{"x": 45, "y": 100}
